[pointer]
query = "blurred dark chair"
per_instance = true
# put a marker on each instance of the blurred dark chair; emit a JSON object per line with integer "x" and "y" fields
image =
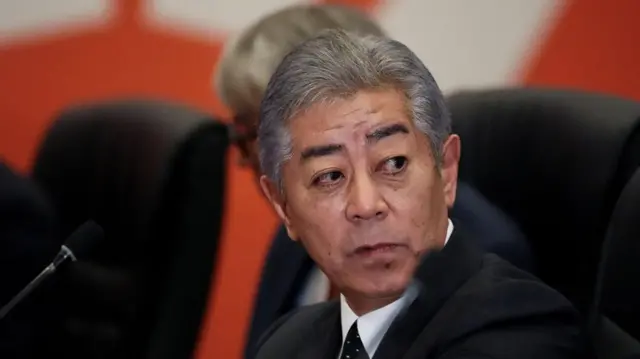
{"x": 555, "y": 161}
{"x": 27, "y": 246}
{"x": 153, "y": 175}
{"x": 615, "y": 320}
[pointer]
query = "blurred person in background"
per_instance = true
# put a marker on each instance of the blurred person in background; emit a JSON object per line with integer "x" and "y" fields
{"x": 290, "y": 278}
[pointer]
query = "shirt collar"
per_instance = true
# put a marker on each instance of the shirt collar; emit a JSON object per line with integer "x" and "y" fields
{"x": 374, "y": 325}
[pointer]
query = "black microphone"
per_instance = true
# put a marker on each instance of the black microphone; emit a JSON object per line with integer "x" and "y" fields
{"x": 76, "y": 246}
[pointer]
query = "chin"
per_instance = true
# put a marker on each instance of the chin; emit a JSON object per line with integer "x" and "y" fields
{"x": 387, "y": 285}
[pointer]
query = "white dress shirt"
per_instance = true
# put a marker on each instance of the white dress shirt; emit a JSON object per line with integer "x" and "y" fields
{"x": 374, "y": 325}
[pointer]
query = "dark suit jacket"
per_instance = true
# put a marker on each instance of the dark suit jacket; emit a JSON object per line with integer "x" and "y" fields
{"x": 26, "y": 247}
{"x": 471, "y": 305}
{"x": 287, "y": 265}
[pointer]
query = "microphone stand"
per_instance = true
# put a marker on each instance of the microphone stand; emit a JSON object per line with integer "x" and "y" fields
{"x": 64, "y": 255}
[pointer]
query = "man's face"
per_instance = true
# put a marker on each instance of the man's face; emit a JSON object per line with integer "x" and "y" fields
{"x": 363, "y": 192}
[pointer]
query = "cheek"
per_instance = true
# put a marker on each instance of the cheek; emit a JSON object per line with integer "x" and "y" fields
{"x": 415, "y": 196}
{"x": 415, "y": 210}
{"x": 323, "y": 245}
{"x": 320, "y": 227}
{"x": 419, "y": 205}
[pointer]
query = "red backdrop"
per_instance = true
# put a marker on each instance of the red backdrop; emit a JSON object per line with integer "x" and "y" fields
{"x": 593, "y": 46}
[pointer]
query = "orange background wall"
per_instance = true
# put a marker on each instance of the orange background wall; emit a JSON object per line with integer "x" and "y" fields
{"x": 591, "y": 45}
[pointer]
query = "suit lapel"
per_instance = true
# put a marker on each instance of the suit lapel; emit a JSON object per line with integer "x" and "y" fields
{"x": 286, "y": 266}
{"x": 325, "y": 337}
{"x": 439, "y": 275}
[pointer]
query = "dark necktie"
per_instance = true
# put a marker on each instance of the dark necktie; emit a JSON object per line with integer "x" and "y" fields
{"x": 353, "y": 347}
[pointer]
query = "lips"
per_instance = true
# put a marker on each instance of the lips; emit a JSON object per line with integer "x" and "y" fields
{"x": 368, "y": 250}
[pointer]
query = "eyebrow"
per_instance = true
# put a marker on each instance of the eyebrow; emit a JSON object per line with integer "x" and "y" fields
{"x": 319, "y": 151}
{"x": 375, "y": 136}
{"x": 387, "y": 131}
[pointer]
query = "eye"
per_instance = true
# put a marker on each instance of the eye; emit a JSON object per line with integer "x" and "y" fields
{"x": 328, "y": 179}
{"x": 394, "y": 165}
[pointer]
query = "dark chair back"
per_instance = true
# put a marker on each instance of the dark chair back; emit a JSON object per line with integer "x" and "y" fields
{"x": 152, "y": 174}
{"x": 555, "y": 161}
{"x": 615, "y": 320}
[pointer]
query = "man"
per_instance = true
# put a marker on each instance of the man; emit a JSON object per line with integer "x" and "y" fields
{"x": 290, "y": 278}
{"x": 360, "y": 165}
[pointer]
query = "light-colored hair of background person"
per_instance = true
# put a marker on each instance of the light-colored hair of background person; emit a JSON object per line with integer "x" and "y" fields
{"x": 248, "y": 62}
{"x": 336, "y": 65}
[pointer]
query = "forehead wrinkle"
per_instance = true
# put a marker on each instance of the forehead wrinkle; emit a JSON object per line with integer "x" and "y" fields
{"x": 358, "y": 116}
{"x": 347, "y": 107}
{"x": 358, "y": 122}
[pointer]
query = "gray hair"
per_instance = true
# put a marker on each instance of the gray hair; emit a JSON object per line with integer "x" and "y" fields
{"x": 248, "y": 62}
{"x": 336, "y": 65}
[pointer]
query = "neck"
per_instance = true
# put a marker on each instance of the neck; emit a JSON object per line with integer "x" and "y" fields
{"x": 362, "y": 305}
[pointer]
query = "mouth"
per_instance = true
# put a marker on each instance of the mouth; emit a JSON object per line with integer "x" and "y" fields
{"x": 369, "y": 250}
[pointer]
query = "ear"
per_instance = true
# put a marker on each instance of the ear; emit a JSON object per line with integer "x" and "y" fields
{"x": 277, "y": 200}
{"x": 449, "y": 170}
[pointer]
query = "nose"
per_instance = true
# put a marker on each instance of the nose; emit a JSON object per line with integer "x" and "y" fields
{"x": 365, "y": 200}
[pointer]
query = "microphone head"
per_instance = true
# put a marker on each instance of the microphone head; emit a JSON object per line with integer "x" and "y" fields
{"x": 84, "y": 238}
